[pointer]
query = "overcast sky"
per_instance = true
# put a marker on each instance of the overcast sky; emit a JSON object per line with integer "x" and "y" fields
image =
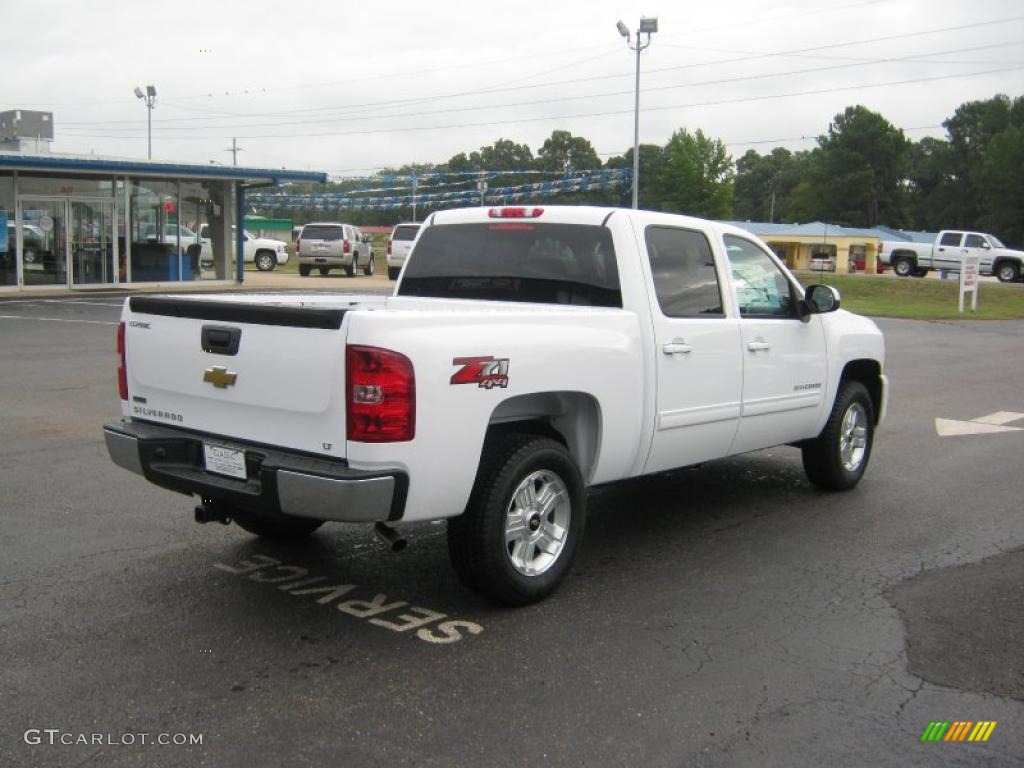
{"x": 349, "y": 87}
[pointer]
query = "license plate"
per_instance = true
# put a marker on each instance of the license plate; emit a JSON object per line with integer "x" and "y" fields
{"x": 224, "y": 461}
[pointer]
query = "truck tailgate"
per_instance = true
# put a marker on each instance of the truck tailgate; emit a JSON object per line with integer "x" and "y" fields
{"x": 268, "y": 372}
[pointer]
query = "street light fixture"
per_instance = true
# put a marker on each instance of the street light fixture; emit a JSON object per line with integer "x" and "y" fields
{"x": 150, "y": 98}
{"x": 648, "y": 26}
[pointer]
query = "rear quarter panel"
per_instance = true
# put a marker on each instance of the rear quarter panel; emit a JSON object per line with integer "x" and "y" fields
{"x": 561, "y": 349}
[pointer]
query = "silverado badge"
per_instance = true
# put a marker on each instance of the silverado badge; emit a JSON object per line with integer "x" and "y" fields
{"x": 219, "y": 376}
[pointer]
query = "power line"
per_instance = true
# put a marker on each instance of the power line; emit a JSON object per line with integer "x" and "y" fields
{"x": 536, "y": 102}
{"x": 575, "y": 81}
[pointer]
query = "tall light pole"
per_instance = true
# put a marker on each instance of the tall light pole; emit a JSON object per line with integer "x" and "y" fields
{"x": 150, "y": 98}
{"x": 648, "y": 26}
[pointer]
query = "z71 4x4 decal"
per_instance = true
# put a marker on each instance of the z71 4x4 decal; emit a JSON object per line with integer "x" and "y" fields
{"x": 486, "y": 372}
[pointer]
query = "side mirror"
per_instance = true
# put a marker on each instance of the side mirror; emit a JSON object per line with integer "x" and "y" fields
{"x": 821, "y": 299}
{"x": 986, "y": 246}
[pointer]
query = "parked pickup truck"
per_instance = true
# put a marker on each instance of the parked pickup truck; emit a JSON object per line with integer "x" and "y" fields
{"x": 527, "y": 353}
{"x": 264, "y": 252}
{"x": 947, "y": 253}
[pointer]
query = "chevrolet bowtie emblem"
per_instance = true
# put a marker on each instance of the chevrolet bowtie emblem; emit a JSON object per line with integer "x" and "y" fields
{"x": 220, "y": 377}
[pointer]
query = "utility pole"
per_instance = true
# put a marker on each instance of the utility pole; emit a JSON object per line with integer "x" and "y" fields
{"x": 414, "y": 179}
{"x": 234, "y": 149}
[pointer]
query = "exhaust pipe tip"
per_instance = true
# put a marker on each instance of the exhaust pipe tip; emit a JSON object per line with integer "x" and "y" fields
{"x": 390, "y": 536}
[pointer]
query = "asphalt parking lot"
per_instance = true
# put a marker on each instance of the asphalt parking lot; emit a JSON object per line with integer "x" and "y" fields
{"x": 722, "y": 616}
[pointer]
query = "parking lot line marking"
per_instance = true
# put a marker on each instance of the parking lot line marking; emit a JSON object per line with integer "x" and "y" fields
{"x": 59, "y": 320}
{"x": 951, "y": 428}
{"x": 1000, "y": 418}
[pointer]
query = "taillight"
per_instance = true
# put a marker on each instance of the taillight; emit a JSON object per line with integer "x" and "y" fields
{"x": 298, "y": 245}
{"x": 389, "y": 246}
{"x": 122, "y": 368}
{"x": 345, "y": 247}
{"x": 381, "y": 402}
{"x": 515, "y": 213}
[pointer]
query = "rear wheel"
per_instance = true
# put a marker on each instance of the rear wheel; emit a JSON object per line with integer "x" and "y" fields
{"x": 304, "y": 271}
{"x": 350, "y": 270}
{"x": 903, "y": 267}
{"x": 265, "y": 261}
{"x": 837, "y": 458}
{"x": 517, "y": 538}
{"x": 1008, "y": 272}
{"x": 369, "y": 269}
{"x": 274, "y": 526}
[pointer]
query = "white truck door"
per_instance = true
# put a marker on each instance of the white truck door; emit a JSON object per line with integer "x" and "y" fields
{"x": 697, "y": 351}
{"x": 947, "y": 252}
{"x": 784, "y": 359}
{"x": 974, "y": 245}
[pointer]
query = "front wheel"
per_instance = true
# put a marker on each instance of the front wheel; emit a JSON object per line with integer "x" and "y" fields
{"x": 265, "y": 261}
{"x": 1008, "y": 272}
{"x": 517, "y": 538}
{"x": 304, "y": 271}
{"x": 369, "y": 269}
{"x": 837, "y": 458}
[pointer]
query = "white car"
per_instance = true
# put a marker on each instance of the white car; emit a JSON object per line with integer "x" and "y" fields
{"x": 264, "y": 252}
{"x": 526, "y": 354}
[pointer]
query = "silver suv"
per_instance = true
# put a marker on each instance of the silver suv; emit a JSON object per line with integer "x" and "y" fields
{"x": 399, "y": 245}
{"x": 329, "y": 245}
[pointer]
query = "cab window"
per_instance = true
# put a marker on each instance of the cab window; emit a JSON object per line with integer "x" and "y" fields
{"x": 683, "y": 268}
{"x": 974, "y": 241}
{"x": 950, "y": 238}
{"x": 762, "y": 288}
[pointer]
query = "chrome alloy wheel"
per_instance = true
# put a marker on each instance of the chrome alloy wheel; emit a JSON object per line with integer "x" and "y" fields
{"x": 853, "y": 437}
{"x": 537, "y": 522}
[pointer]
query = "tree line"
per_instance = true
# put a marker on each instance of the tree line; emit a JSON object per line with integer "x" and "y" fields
{"x": 862, "y": 172}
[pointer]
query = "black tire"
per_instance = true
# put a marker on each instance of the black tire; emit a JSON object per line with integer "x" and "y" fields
{"x": 369, "y": 269}
{"x": 825, "y": 463}
{"x": 482, "y": 555}
{"x": 919, "y": 272}
{"x": 325, "y": 270}
{"x": 393, "y": 272}
{"x": 350, "y": 270}
{"x": 275, "y": 526}
{"x": 1008, "y": 272}
{"x": 303, "y": 271}
{"x": 265, "y": 261}
{"x": 903, "y": 267}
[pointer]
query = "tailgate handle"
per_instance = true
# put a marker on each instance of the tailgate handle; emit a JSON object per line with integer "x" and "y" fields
{"x": 221, "y": 339}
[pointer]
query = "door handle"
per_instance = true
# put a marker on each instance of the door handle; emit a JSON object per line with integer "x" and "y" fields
{"x": 677, "y": 347}
{"x": 758, "y": 345}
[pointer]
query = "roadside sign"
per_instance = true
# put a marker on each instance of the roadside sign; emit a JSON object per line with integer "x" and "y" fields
{"x": 969, "y": 280}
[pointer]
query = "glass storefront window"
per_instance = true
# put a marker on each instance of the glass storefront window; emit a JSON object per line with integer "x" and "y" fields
{"x": 8, "y": 232}
{"x": 204, "y": 213}
{"x": 158, "y": 241}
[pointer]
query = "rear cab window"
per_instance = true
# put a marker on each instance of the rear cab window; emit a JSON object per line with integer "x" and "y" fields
{"x": 516, "y": 262}
{"x": 405, "y": 232}
{"x": 951, "y": 239}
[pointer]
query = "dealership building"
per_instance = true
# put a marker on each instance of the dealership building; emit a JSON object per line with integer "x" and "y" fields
{"x": 81, "y": 222}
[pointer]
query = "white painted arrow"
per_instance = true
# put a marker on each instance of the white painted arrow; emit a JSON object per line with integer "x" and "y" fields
{"x": 994, "y": 423}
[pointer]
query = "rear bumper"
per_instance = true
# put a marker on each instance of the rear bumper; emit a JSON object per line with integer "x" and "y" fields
{"x": 277, "y": 482}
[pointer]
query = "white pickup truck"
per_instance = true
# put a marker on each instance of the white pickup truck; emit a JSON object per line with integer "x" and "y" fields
{"x": 526, "y": 354}
{"x": 947, "y": 253}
